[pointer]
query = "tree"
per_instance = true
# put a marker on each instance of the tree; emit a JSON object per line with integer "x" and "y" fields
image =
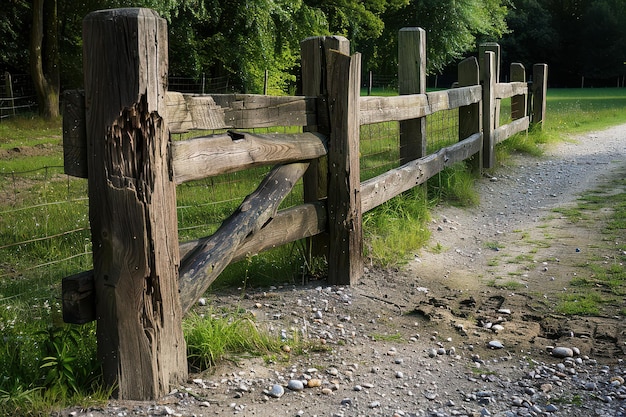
{"x": 44, "y": 57}
{"x": 453, "y": 27}
{"x": 13, "y": 24}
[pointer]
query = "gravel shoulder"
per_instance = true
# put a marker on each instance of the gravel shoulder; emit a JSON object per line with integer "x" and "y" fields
{"x": 464, "y": 329}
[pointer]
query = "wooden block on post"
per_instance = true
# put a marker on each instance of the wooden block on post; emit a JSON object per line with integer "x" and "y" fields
{"x": 345, "y": 264}
{"x": 540, "y": 88}
{"x": 132, "y": 203}
{"x": 518, "y": 103}
{"x": 412, "y": 80}
{"x": 79, "y": 298}
{"x": 470, "y": 117}
{"x": 489, "y": 109}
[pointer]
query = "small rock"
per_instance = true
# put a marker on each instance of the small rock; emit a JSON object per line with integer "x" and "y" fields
{"x": 295, "y": 385}
{"x": 551, "y": 408}
{"x": 276, "y": 391}
{"x": 374, "y": 404}
{"x": 495, "y": 344}
{"x": 314, "y": 382}
{"x": 202, "y": 302}
{"x": 562, "y": 352}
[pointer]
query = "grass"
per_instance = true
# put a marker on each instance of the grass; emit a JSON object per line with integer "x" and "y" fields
{"x": 44, "y": 236}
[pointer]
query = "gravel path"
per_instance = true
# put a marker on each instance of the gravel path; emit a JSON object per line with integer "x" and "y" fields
{"x": 432, "y": 339}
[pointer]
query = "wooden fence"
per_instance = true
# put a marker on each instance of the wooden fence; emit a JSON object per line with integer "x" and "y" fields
{"x": 117, "y": 134}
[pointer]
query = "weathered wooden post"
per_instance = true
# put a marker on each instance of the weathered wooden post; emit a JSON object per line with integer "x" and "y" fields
{"x": 470, "y": 117}
{"x": 314, "y": 55}
{"x": 540, "y": 88}
{"x": 489, "y": 108}
{"x": 345, "y": 262}
{"x": 412, "y": 80}
{"x": 495, "y": 48}
{"x": 132, "y": 203}
{"x": 518, "y": 103}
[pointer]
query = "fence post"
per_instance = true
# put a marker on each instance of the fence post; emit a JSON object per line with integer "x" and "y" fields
{"x": 489, "y": 107}
{"x": 8, "y": 80}
{"x": 518, "y": 103}
{"x": 470, "y": 117}
{"x": 540, "y": 87}
{"x": 345, "y": 262}
{"x": 132, "y": 203}
{"x": 314, "y": 52}
{"x": 495, "y": 48}
{"x": 412, "y": 80}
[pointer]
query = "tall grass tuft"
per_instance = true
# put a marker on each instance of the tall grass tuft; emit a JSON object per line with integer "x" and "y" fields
{"x": 213, "y": 337}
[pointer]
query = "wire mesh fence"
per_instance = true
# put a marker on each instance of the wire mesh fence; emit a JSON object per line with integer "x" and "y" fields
{"x": 202, "y": 85}
{"x": 17, "y": 95}
{"x": 44, "y": 214}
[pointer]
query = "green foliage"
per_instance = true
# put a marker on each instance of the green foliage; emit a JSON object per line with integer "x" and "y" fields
{"x": 215, "y": 336}
{"x": 397, "y": 228}
{"x": 453, "y": 28}
{"x": 454, "y": 185}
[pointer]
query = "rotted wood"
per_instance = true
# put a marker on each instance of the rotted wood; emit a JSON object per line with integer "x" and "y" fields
{"x": 384, "y": 187}
{"x": 202, "y": 265}
{"x": 235, "y": 151}
{"x": 395, "y": 108}
{"x": 132, "y": 204}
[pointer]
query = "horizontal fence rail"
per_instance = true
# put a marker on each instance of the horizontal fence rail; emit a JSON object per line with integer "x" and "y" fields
{"x": 137, "y": 168}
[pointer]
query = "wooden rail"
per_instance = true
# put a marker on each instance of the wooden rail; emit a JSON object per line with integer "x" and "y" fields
{"x": 143, "y": 278}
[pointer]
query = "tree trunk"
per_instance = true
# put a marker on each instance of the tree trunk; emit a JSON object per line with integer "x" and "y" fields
{"x": 46, "y": 80}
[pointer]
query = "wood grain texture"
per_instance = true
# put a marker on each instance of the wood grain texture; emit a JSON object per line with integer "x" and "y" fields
{"x": 203, "y": 264}
{"x": 384, "y": 109}
{"x": 519, "y": 102}
{"x": 470, "y": 116}
{"x": 384, "y": 187}
{"x": 412, "y": 80}
{"x": 506, "y": 90}
{"x": 506, "y": 131}
{"x": 132, "y": 203}
{"x": 235, "y": 151}
{"x": 539, "y": 89}
{"x": 345, "y": 262}
{"x": 490, "y": 108}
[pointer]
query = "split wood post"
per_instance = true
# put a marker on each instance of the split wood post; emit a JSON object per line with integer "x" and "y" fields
{"x": 345, "y": 262}
{"x": 489, "y": 108}
{"x": 540, "y": 88}
{"x": 132, "y": 203}
{"x": 495, "y": 48}
{"x": 412, "y": 80}
{"x": 470, "y": 117}
{"x": 519, "y": 103}
{"x": 314, "y": 55}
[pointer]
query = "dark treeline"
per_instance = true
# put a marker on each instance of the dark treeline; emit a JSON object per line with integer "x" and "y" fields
{"x": 240, "y": 40}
